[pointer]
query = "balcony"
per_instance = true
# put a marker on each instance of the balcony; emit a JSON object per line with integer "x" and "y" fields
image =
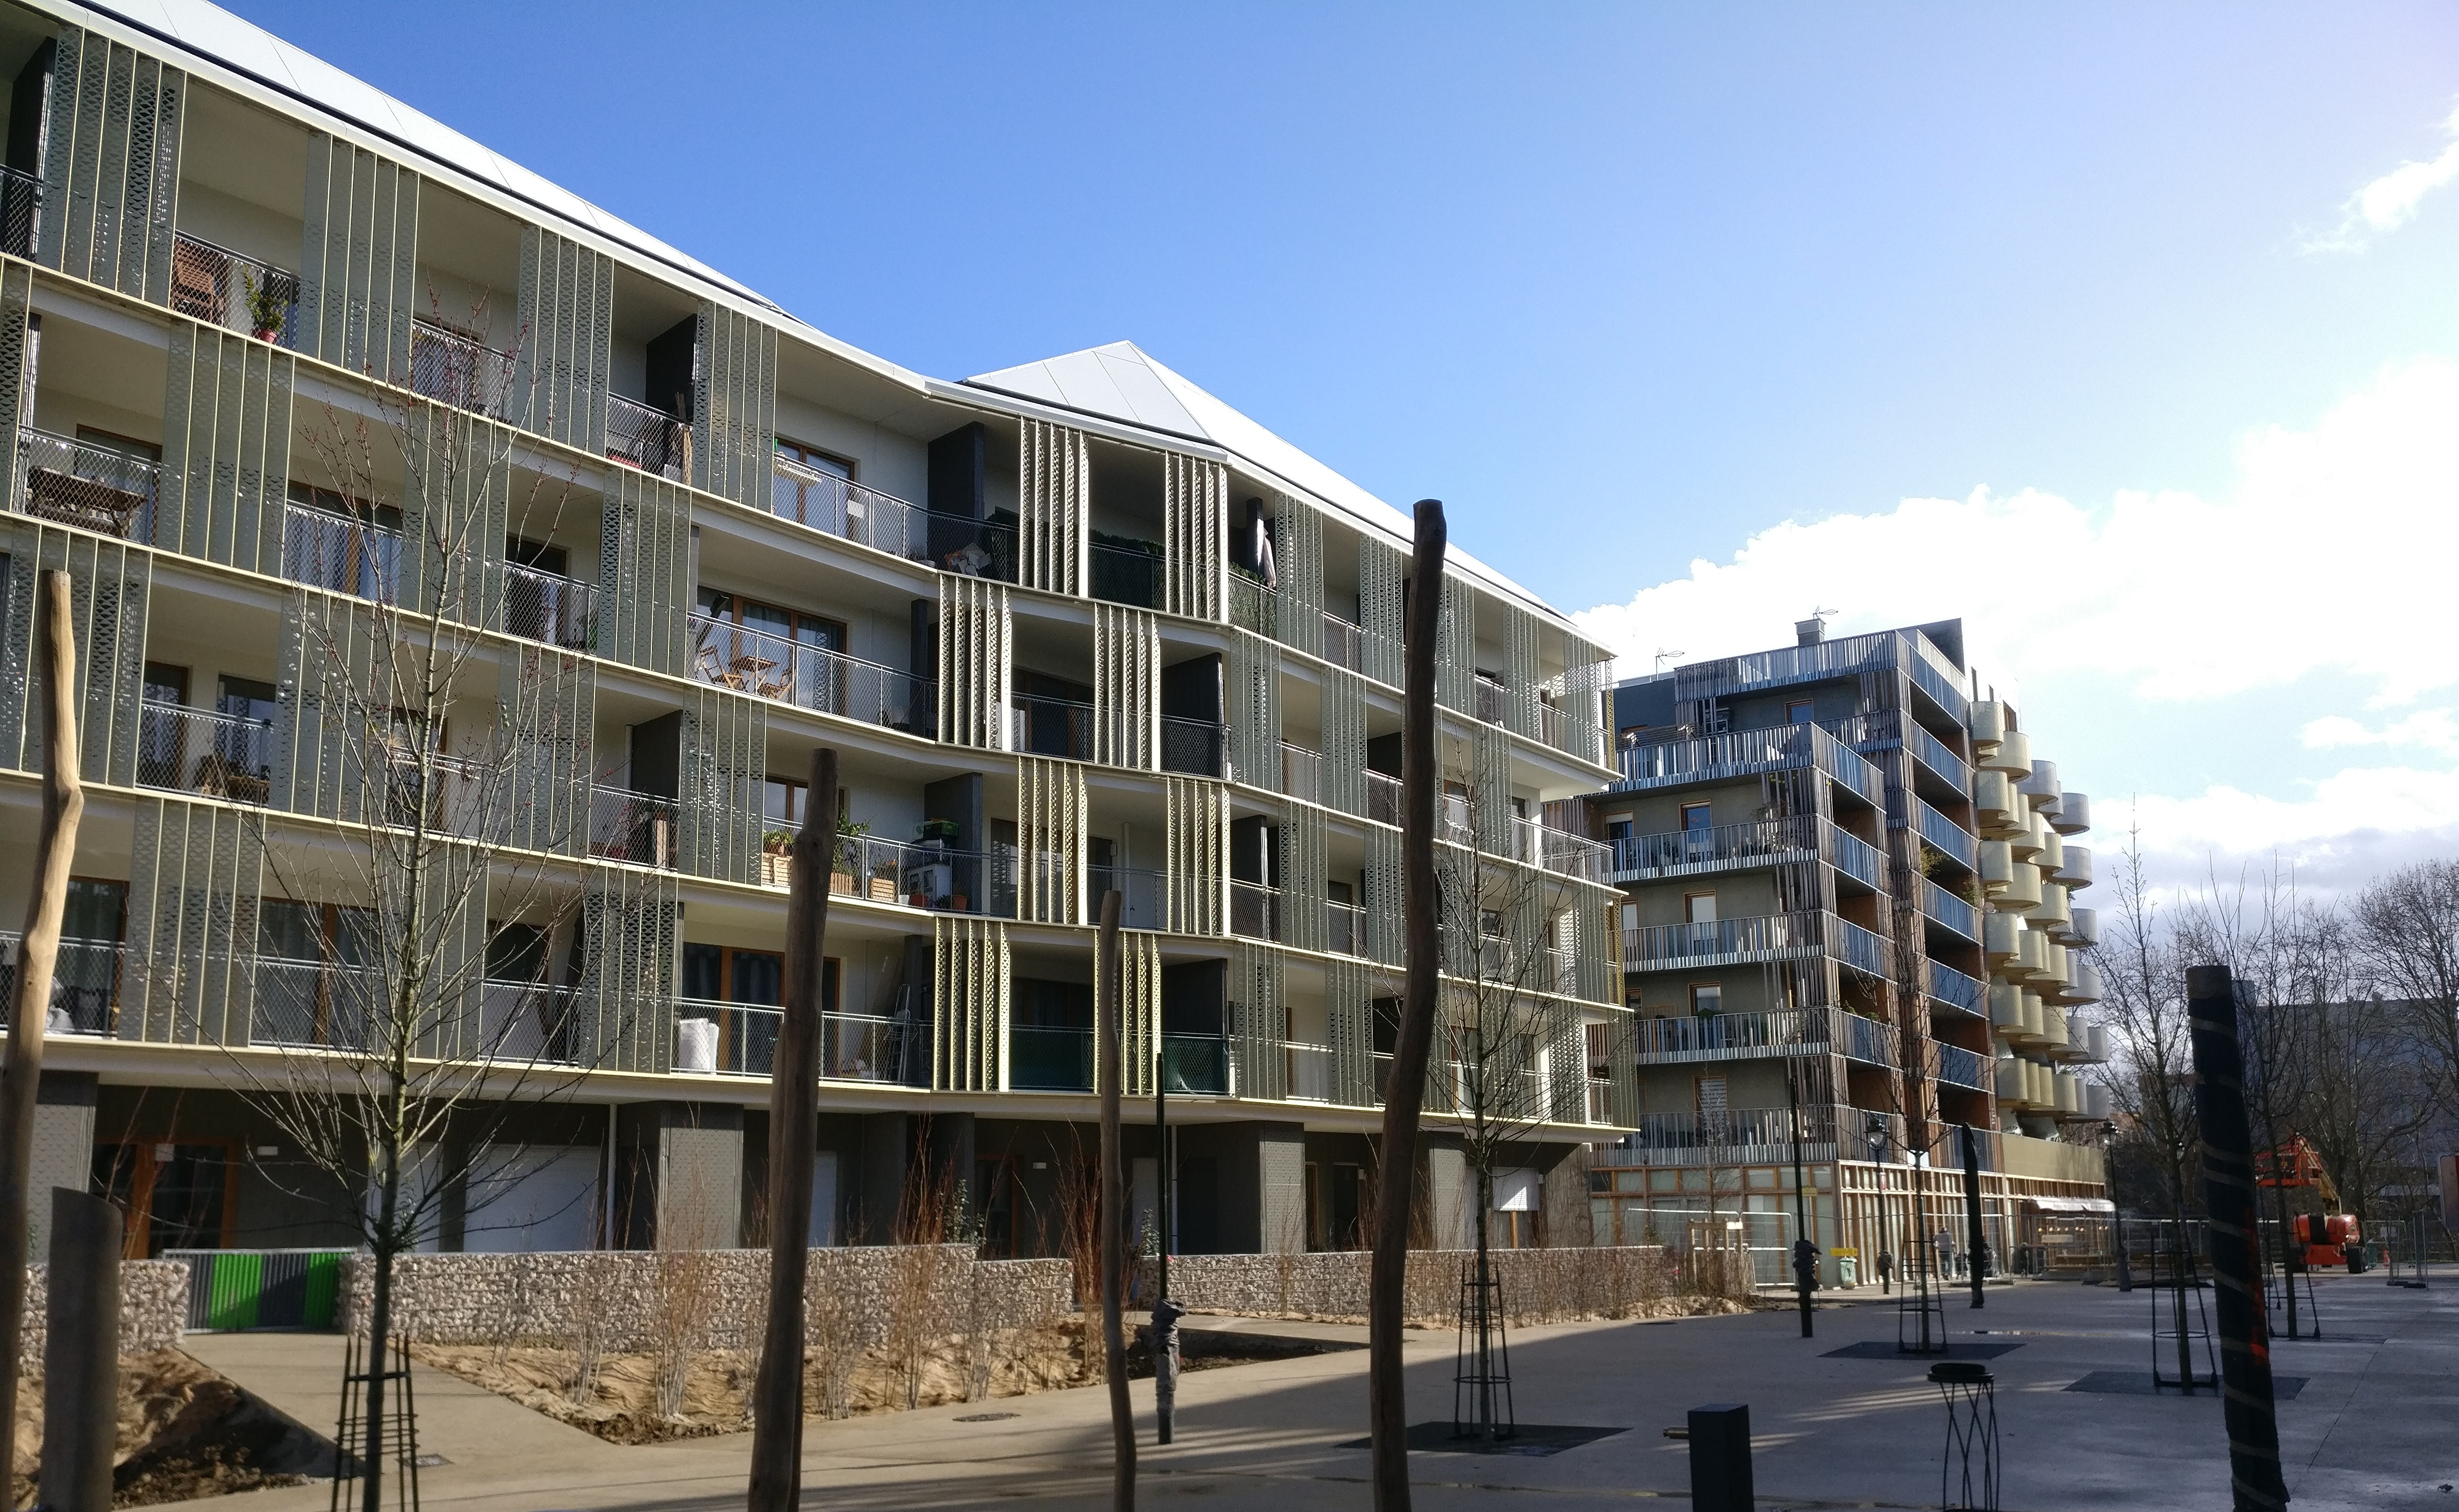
{"x": 313, "y": 1004}
{"x": 641, "y": 436}
{"x": 92, "y": 488}
{"x": 1936, "y": 676}
{"x": 922, "y": 874}
{"x": 632, "y": 827}
{"x": 1253, "y": 606}
{"x": 1740, "y": 941}
{"x": 1049, "y": 1059}
{"x": 742, "y": 1041}
{"x": 1950, "y": 913}
{"x": 1747, "y": 753}
{"x": 334, "y": 552}
{"x": 1344, "y": 644}
{"x": 1255, "y": 911}
{"x": 85, "y": 985}
{"x": 1932, "y": 752}
{"x": 1037, "y": 725}
{"x": 1310, "y": 1071}
{"x": 1722, "y": 848}
{"x": 812, "y": 677}
{"x": 1733, "y": 1137}
{"x": 528, "y": 1023}
{"x": 1540, "y": 845}
{"x": 1194, "y": 746}
{"x": 549, "y": 608}
{"x": 1957, "y": 991}
{"x": 1735, "y": 1036}
{"x": 183, "y": 749}
{"x": 1868, "y": 1040}
{"x": 843, "y": 508}
{"x": 222, "y": 288}
{"x": 1947, "y": 836}
{"x": 1382, "y": 798}
{"x": 1960, "y": 1067}
{"x": 1301, "y": 773}
{"x": 1493, "y": 699}
{"x": 1858, "y": 859}
{"x": 459, "y": 371}
{"x": 1126, "y": 575}
{"x": 1195, "y": 1064}
{"x": 1144, "y": 894}
{"x": 21, "y": 199}
{"x": 969, "y": 547}
{"x": 1344, "y": 929}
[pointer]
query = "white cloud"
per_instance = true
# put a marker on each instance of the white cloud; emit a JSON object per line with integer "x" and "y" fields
{"x": 2327, "y": 558}
{"x": 2391, "y": 201}
{"x": 2433, "y": 730}
{"x": 2329, "y": 554}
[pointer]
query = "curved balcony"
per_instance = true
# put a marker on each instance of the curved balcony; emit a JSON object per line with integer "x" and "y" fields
{"x": 2075, "y": 813}
{"x": 2011, "y": 755}
{"x": 2085, "y": 986}
{"x": 2049, "y": 915}
{"x": 2022, "y": 891}
{"x": 2074, "y": 871}
{"x": 1995, "y": 808}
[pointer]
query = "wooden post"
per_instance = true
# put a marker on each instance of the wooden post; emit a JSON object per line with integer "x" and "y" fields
{"x": 37, "y": 953}
{"x": 793, "y": 1133}
{"x": 1387, "y": 1406}
{"x": 1110, "y": 1073}
{"x": 81, "y": 1352}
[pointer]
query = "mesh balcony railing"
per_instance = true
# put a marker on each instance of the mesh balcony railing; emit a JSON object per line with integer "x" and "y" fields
{"x": 1310, "y": 1072}
{"x": 1050, "y": 727}
{"x": 1344, "y": 644}
{"x": 646, "y": 437}
{"x": 973, "y": 548}
{"x": 1254, "y": 912}
{"x": 549, "y": 608}
{"x": 1253, "y": 606}
{"x": 1143, "y": 894}
{"x": 21, "y": 200}
{"x": 183, "y": 749}
{"x": 1191, "y": 746}
{"x": 1126, "y": 575}
{"x": 848, "y": 509}
{"x": 92, "y": 487}
{"x": 213, "y": 283}
{"x": 1955, "y": 990}
{"x": 1196, "y": 1064}
{"x": 1345, "y": 929}
{"x": 335, "y": 552}
{"x": 1382, "y": 798}
{"x": 527, "y": 1023}
{"x": 459, "y": 371}
{"x": 729, "y": 654}
{"x": 1493, "y": 699}
{"x": 635, "y": 826}
{"x": 313, "y": 1004}
{"x": 916, "y": 874}
{"x": 1301, "y": 772}
{"x": 84, "y": 984}
{"x": 1044, "y": 1059}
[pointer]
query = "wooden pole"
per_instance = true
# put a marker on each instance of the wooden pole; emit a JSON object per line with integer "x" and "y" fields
{"x": 1111, "y": 1074}
{"x": 81, "y": 1352}
{"x": 793, "y": 1135}
{"x": 37, "y": 954}
{"x": 1387, "y": 1406}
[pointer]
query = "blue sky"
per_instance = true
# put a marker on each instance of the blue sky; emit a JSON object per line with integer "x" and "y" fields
{"x": 1630, "y": 285}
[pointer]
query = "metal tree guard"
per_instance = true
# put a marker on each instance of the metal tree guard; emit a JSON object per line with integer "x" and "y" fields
{"x": 401, "y": 1427}
{"x": 1970, "y": 1393}
{"x": 2173, "y": 1330}
{"x": 1481, "y": 1370}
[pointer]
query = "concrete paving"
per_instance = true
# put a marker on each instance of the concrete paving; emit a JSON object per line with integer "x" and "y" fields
{"x": 2376, "y": 1425}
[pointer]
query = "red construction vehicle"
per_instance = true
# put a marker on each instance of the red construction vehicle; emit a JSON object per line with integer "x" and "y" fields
{"x": 2328, "y": 1237}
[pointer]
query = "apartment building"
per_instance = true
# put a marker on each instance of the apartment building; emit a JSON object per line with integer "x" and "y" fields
{"x": 1073, "y": 627}
{"x": 1847, "y": 939}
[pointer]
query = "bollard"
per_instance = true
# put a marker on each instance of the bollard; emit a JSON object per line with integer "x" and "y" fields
{"x": 1721, "y": 1458}
{"x": 81, "y": 1352}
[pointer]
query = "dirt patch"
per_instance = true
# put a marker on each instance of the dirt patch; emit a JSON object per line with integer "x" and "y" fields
{"x": 186, "y": 1432}
{"x": 618, "y": 1401}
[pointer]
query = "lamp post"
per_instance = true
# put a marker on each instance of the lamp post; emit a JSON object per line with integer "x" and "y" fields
{"x": 1874, "y": 1133}
{"x": 1805, "y": 1253}
{"x": 1166, "y": 1313}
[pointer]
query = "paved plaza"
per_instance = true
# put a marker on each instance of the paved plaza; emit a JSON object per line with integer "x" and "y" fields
{"x": 2375, "y": 1425}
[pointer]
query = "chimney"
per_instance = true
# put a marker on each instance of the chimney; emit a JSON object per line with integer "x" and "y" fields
{"x": 1809, "y": 632}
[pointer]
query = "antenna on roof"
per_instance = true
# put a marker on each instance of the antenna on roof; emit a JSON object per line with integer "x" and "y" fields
{"x": 1663, "y": 657}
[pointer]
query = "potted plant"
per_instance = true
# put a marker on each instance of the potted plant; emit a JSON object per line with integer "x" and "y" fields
{"x": 267, "y": 311}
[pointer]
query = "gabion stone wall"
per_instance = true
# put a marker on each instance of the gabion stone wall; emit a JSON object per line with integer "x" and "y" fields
{"x": 153, "y": 1307}
{"x": 629, "y": 1300}
{"x": 1538, "y": 1285}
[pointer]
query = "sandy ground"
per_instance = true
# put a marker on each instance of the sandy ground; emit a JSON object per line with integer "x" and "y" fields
{"x": 186, "y": 1432}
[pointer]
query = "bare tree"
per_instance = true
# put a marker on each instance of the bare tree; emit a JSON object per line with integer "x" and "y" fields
{"x": 2371, "y": 1099}
{"x": 2150, "y": 1080}
{"x": 2407, "y": 937}
{"x": 402, "y": 969}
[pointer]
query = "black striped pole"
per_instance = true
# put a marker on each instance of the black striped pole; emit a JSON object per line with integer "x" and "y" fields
{"x": 2228, "y": 1199}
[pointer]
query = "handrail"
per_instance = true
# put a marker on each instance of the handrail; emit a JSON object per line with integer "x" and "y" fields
{"x": 1767, "y": 936}
{"x": 644, "y": 436}
{"x": 459, "y": 371}
{"x": 1948, "y": 836}
{"x": 752, "y": 661}
{"x": 94, "y": 488}
{"x": 21, "y": 208}
{"x": 231, "y": 758}
{"x": 636, "y": 827}
{"x": 213, "y": 284}
{"x": 1674, "y": 852}
{"x": 1952, "y": 911}
{"x": 549, "y": 607}
{"x": 843, "y": 508}
{"x": 84, "y": 984}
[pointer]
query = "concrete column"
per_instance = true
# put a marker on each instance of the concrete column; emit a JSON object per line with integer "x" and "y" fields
{"x": 63, "y": 1148}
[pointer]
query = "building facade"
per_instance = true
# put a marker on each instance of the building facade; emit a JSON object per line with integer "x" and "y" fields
{"x": 1847, "y": 939}
{"x": 310, "y": 384}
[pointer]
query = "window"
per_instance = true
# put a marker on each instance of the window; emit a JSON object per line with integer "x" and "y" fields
{"x": 1620, "y": 827}
{"x": 780, "y": 653}
{"x": 1694, "y": 818}
{"x": 1700, "y": 908}
{"x": 810, "y": 490}
{"x": 332, "y": 541}
{"x": 782, "y": 803}
{"x": 1707, "y": 998}
{"x": 1711, "y": 1094}
{"x": 817, "y": 460}
{"x": 1800, "y": 711}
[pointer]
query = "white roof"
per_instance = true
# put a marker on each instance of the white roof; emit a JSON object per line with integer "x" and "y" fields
{"x": 1118, "y": 382}
{"x": 1123, "y": 382}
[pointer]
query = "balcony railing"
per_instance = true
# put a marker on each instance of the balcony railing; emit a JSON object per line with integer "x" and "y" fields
{"x": 1736, "y": 1035}
{"x": 920, "y": 875}
{"x": 1301, "y": 773}
{"x": 1932, "y": 752}
{"x": 549, "y": 608}
{"x": 1729, "y": 1135}
{"x": 1858, "y": 859}
{"x": 1126, "y": 575}
{"x": 1255, "y": 911}
{"x": 1143, "y": 894}
{"x": 213, "y": 283}
{"x": 1860, "y": 947}
{"x": 527, "y": 1023}
{"x": 1344, "y": 644}
{"x": 1947, "y": 836}
{"x": 456, "y": 370}
{"x": 1950, "y": 912}
{"x": 1540, "y": 845}
{"x": 1493, "y": 699}
{"x": 1196, "y": 1064}
{"x": 94, "y": 488}
{"x": 313, "y": 1004}
{"x": 1050, "y": 727}
{"x": 852, "y": 511}
{"x": 742, "y": 1041}
{"x": 1937, "y": 676}
{"x": 812, "y": 676}
{"x": 1310, "y": 1072}
{"x": 646, "y": 437}
{"x": 1958, "y": 1067}
{"x": 21, "y": 201}
{"x": 1382, "y": 798}
{"x": 1345, "y": 929}
{"x": 1744, "y": 753}
{"x": 1680, "y": 852}
{"x": 1958, "y": 991}
{"x": 1868, "y": 1040}
{"x": 1192, "y": 746}
{"x": 335, "y": 552}
{"x": 1049, "y": 1059}
{"x": 1761, "y": 937}
{"x": 186, "y": 749}
{"x": 85, "y": 985}
{"x": 634, "y": 826}
{"x": 974, "y": 547}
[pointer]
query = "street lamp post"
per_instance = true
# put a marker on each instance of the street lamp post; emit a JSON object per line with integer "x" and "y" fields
{"x": 1805, "y": 1253}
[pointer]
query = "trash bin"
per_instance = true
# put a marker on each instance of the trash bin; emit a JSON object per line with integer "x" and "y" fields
{"x": 1848, "y": 1271}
